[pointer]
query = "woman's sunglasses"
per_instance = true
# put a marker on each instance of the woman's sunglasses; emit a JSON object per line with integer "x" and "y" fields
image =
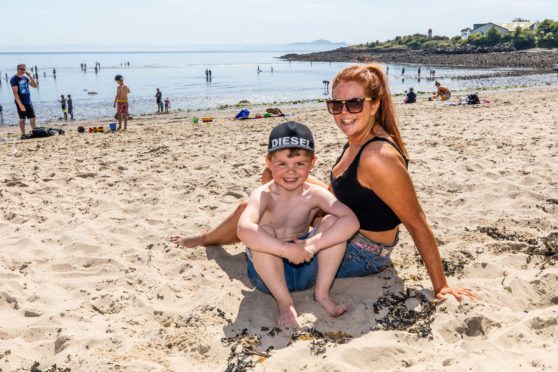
{"x": 353, "y": 105}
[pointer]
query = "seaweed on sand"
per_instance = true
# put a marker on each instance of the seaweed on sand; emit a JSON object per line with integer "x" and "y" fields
{"x": 401, "y": 318}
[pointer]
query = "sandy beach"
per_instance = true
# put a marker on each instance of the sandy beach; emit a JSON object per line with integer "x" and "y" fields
{"x": 89, "y": 281}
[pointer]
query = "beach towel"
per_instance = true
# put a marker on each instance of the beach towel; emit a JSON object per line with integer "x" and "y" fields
{"x": 243, "y": 114}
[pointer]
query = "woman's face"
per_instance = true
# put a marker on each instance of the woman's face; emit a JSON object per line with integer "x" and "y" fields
{"x": 358, "y": 123}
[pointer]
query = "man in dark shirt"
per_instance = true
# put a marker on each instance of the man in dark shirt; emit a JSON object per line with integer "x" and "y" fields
{"x": 70, "y": 107}
{"x": 20, "y": 83}
{"x": 159, "y": 98}
{"x": 411, "y": 97}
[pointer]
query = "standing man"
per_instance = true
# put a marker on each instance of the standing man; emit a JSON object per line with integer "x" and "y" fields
{"x": 121, "y": 101}
{"x": 70, "y": 107}
{"x": 159, "y": 98}
{"x": 20, "y": 83}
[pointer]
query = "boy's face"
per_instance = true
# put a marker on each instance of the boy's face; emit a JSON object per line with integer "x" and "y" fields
{"x": 290, "y": 172}
{"x": 119, "y": 82}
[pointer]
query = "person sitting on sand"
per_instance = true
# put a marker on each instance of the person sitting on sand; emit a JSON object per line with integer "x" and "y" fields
{"x": 411, "y": 97}
{"x": 275, "y": 226}
{"x": 442, "y": 92}
{"x": 371, "y": 178}
{"x": 121, "y": 101}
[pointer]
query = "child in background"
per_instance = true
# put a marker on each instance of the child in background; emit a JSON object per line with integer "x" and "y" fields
{"x": 167, "y": 104}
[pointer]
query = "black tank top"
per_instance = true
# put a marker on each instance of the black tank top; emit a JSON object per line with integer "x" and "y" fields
{"x": 372, "y": 213}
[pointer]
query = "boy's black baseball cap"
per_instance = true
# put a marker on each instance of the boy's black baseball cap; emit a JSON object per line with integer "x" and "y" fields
{"x": 290, "y": 135}
{"x": 118, "y": 77}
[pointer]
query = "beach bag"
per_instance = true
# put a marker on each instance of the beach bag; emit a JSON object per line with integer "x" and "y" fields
{"x": 43, "y": 132}
{"x": 274, "y": 111}
{"x": 243, "y": 114}
{"x": 473, "y": 99}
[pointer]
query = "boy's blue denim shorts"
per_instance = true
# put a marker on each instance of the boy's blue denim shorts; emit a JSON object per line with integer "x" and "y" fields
{"x": 298, "y": 277}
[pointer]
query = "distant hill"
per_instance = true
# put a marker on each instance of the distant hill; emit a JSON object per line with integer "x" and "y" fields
{"x": 318, "y": 43}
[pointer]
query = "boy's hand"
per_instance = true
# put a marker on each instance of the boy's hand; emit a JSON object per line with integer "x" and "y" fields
{"x": 309, "y": 251}
{"x": 295, "y": 253}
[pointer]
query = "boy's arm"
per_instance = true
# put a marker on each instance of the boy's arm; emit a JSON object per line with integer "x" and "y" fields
{"x": 344, "y": 227}
{"x": 249, "y": 230}
{"x": 116, "y": 96}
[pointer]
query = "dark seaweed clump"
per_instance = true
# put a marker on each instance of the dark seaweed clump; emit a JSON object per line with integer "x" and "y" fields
{"x": 455, "y": 265}
{"x": 243, "y": 348}
{"x": 320, "y": 340}
{"x": 399, "y": 317}
{"x": 545, "y": 247}
{"x": 53, "y": 368}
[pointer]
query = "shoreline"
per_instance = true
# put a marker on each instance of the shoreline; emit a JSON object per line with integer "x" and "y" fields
{"x": 536, "y": 59}
{"x": 233, "y": 109}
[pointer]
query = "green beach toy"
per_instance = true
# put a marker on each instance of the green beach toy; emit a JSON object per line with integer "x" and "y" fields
{"x": 195, "y": 120}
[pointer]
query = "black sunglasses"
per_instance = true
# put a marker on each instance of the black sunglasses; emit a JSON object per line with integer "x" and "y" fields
{"x": 353, "y": 105}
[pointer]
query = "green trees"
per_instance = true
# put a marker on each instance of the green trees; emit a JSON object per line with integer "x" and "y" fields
{"x": 545, "y": 36}
{"x": 492, "y": 37}
{"x": 523, "y": 39}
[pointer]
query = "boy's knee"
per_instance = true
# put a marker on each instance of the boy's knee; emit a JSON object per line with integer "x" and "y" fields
{"x": 327, "y": 221}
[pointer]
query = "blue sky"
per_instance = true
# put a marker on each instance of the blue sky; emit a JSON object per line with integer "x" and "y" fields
{"x": 176, "y": 22}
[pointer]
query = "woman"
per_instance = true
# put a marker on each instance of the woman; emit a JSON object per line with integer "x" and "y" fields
{"x": 371, "y": 178}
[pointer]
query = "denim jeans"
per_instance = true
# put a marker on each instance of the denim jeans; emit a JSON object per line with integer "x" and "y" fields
{"x": 298, "y": 277}
{"x": 365, "y": 257}
{"x": 362, "y": 257}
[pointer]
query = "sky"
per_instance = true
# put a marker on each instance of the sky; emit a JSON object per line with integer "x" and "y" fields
{"x": 34, "y": 23}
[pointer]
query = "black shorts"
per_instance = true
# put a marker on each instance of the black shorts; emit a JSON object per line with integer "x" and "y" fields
{"x": 29, "y": 113}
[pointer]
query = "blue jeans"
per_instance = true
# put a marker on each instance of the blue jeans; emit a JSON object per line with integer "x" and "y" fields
{"x": 298, "y": 277}
{"x": 362, "y": 257}
{"x": 365, "y": 257}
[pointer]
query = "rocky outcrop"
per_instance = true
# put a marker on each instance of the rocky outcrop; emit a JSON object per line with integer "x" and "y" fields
{"x": 465, "y": 56}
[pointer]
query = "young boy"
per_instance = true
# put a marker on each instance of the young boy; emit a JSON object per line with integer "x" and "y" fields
{"x": 275, "y": 226}
{"x": 167, "y": 105}
{"x": 121, "y": 101}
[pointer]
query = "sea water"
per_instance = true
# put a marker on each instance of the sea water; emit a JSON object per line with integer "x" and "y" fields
{"x": 180, "y": 75}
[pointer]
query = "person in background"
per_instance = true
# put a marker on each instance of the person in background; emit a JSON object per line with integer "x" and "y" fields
{"x": 411, "y": 96}
{"x": 167, "y": 104}
{"x": 70, "y": 107}
{"x": 159, "y": 100}
{"x": 63, "y": 105}
{"x": 441, "y": 91}
{"x": 20, "y": 83}
{"x": 121, "y": 101}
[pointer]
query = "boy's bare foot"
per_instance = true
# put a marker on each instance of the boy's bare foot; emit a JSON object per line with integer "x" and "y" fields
{"x": 287, "y": 316}
{"x": 334, "y": 309}
{"x": 187, "y": 241}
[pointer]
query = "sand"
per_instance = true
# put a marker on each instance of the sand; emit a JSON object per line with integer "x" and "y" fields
{"x": 89, "y": 281}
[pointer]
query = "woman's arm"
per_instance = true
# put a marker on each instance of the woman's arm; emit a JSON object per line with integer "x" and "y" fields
{"x": 385, "y": 173}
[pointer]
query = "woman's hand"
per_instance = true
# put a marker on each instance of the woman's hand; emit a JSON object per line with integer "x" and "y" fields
{"x": 458, "y": 293}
